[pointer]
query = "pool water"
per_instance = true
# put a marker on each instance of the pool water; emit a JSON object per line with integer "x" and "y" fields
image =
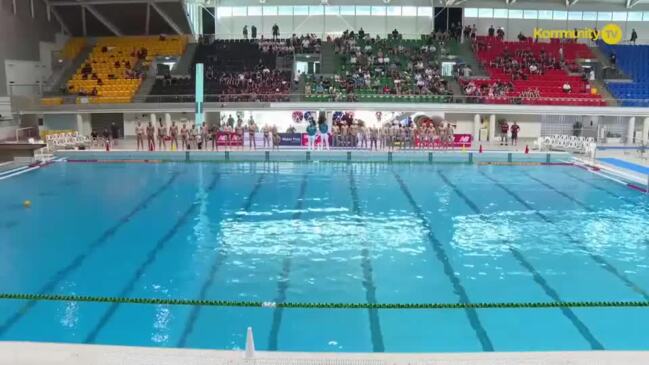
{"x": 325, "y": 232}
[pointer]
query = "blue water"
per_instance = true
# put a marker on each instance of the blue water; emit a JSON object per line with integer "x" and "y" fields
{"x": 325, "y": 232}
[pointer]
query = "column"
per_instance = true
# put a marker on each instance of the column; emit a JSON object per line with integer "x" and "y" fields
{"x": 80, "y": 124}
{"x": 167, "y": 119}
{"x": 645, "y": 131}
{"x": 476, "y": 127}
{"x": 630, "y": 131}
{"x": 153, "y": 119}
{"x": 492, "y": 127}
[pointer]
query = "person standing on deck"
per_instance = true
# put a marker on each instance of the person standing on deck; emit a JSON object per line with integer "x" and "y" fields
{"x": 311, "y": 133}
{"x": 514, "y": 130}
{"x": 162, "y": 134}
{"x": 139, "y": 135}
{"x": 150, "y": 136}
{"x": 173, "y": 132}
{"x": 183, "y": 136}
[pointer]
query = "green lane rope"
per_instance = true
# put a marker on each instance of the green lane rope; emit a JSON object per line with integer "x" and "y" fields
{"x": 306, "y": 305}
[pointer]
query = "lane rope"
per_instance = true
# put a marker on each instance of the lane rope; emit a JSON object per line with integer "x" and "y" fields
{"x": 322, "y": 305}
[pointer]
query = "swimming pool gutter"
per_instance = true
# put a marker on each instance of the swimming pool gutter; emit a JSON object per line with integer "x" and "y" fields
{"x": 27, "y": 353}
{"x": 626, "y": 177}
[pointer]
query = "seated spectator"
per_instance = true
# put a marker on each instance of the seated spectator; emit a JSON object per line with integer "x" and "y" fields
{"x": 567, "y": 88}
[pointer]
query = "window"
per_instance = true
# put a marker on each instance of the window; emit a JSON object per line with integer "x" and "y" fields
{"x": 362, "y": 10}
{"x": 285, "y": 10}
{"x": 500, "y": 13}
{"x": 394, "y": 11}
{"x": 635, "y": 16}
{"x": 589, "y": 15}
{"x": 485, "y": 13}
{"x": 347, "y": 10}
{"x": 619, "y": 16}
{"x": 332, "y": 10}
{"x": 515, "y": 14}
{"x": 645, "y": 17}
{"x": 300, "y": 10}
{"x": 545, "y": 14}
{"x": 530, "y": 14}
{"x": 316, "y": 10}
{"x": 270, "y": 10}
{"x": 560, "y": 15}
{"x": 470, "y": 12}
{"x": 604, "y": 15}
{"x": 574, "y": 15}
{"x": 224, "y": 11}
{"x": 412, "y": 11}
{"x": 378, "y": 10}
{"x": 254, "y": 11}
{"x": 425, "y": 11}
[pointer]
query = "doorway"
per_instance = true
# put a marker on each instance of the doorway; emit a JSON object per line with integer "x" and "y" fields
{"x": 445, "y": 17}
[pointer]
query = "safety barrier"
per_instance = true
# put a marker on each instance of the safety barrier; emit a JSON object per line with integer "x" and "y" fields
{"x": 561, "y": 142}
{"x": 320, "y": 305}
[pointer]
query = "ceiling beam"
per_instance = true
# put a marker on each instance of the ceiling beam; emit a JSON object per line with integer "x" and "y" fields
{"x": 631, "y": 3}
{"x": 167, "y": 18}
{"x": 58, "y": 18}
{"x": 107, "y": 2}
{"x": 103, "y": 20}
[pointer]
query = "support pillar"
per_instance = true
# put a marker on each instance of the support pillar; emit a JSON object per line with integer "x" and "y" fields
{"x": 645, "y": 131}
{"x": 153, "y": 119}
{"x": 80, "y": 123}
{"x": 476, "y": 127}
{"x": 630, "y": 131}
{"x": 492, "y": 127}
{"x": 167, "y": 119}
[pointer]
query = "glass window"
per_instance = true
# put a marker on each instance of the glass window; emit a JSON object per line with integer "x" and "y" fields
{"x": 332, "y": 10}
{"x": 285, "y": 10}
{"x": 634, "y": 16}
{"x": 500, "y": 13}
{"x": 560, "y": 15}
{"x": 645, "y": 17}
{"x": 530, "y": 14}
{"x": 362, "y": 10}
{"x": 254, "y": 11}
{"x": 270, "y": 10}
{"x": 394, "y": 11}
{"x": 300, "y": 10}
{"x": 412, "y": 11}
{"x": 470, "y": 12}
{"x": 378, "y": 10}
{"x": 574, "y": 15}
{"x": 485, "y": 13}
{"x": 515, "y": 14}
{"x": 316, "y": 10}
{"x": 589, "y": 15}
{"x": 545, "y": 14}
{"x": 347, "y": 10}
{"x": 239, "y": 11}
{"x": 425, "y": 11}
{"x": 224, "y": 11}
{"x": 604, "y": 15}
{"x": 619, "y": 16}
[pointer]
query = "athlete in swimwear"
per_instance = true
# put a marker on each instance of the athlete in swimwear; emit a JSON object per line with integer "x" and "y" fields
{"x": 162, "y": 134}
{"x": 139, "y": 135}
{"x": 173, "y": 131}
{"x": 150, "y": 136}
{"x": 252, "y": 129}
{"x": 183, "y": 136}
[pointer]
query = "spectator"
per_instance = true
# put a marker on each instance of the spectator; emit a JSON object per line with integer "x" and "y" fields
{"x": 361, "y": 33}
{"x": 253, "y": 32}
{"x": 521, "y": 37}
{"x": 275, "y": 31}
{"x": 504, "y": 128}
{"x": 634, "y": 36}
{"x": 245, "y": 32}
{"x": 566, "y": 87}
{"x": 612, "y": 59}
{"x": 514, "y": 130}
{"x": 491, "y": 31}
{"x": 395, "y": 34}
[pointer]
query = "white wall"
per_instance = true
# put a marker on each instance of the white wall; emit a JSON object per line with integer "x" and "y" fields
{"x": 23, "y": 73}
{"x": 59, "y": 122}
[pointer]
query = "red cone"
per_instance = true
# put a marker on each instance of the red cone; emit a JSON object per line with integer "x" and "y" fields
{"x": 527, "y": 149}
{"x": 480, "y": 151}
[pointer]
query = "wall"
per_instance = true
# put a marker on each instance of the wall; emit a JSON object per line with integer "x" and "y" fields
{"x": 21, "y": 33}
{"x": 59, "y": 121}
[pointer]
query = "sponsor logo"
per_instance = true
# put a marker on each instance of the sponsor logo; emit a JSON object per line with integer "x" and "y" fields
{"x": 610, "y": 33}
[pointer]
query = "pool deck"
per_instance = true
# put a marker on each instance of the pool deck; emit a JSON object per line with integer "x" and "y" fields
{"x": 26, "y": 353}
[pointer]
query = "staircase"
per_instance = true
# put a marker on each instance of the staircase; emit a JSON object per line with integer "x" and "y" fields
{"x": 455, "y": 87}
{"x": 604, "y": 92}
{"x": 184, "y": 66}
{"x": 603, "y": 59}
{"x": 145, "y": 87}
{"x": 59, "y": 78}
{"x": 329, "y": 60}
{"x": 464, "y": 52}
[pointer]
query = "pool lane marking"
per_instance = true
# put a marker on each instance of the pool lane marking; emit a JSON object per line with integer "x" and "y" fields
{"x": 151, "y": 256}
{"x": 368, "y": 280}
{"x": 441, "y": 255}
{"x": 537, "y": 277}
{"x": 220, "y": 258}
{"x": 605, "y": 190}
{"x": 605, "y": 265}
{"x": 563, "y": 194}
{"x": 54, "y": 281}
{"x": 283, "y": 282}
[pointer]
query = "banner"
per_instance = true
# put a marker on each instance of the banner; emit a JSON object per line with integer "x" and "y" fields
{"x": 459, "y": 141}
{"x": 290, "y": 139}
{"x": 228, "y": 139}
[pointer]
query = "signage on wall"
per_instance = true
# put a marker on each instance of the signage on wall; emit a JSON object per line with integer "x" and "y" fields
{"x": 610, "y": 33}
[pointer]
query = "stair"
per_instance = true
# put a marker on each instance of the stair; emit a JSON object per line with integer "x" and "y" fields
{"x": 465, "y": 53}
{"x": 329, "y": 60}
{"x": 455, "y": 87}
{"x": 604, "y": 92}
{"x": 58, "y": 80}
{"x": 146, "y": 86}
{"x": 184, "y": 66}
{"x": 603, "y": 59}
{"x": 297, "y": 92}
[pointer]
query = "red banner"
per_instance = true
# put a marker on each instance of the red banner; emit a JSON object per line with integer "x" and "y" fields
{"x": 318, "y": 139}
{"x": 228, "y": 139}
{"x": 459, "y": 141}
